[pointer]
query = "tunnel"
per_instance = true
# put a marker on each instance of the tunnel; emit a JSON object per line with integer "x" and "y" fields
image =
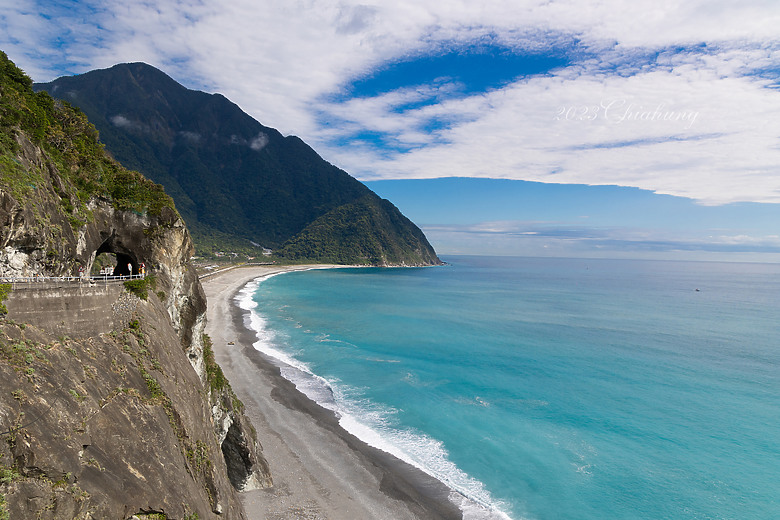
{"x": 124, "y": 265}
{"x": 124, "y": 262}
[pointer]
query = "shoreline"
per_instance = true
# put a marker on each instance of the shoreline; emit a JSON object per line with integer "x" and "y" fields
{"x": 319, "y": 469}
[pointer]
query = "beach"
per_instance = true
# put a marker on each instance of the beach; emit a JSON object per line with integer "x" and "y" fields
{"x": 319, "y": 470}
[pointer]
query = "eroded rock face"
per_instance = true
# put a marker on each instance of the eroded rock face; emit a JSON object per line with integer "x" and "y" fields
{"x": 118, "y": 424}
{"x": 107, "y": 427}
{"x": 247, "y": 468}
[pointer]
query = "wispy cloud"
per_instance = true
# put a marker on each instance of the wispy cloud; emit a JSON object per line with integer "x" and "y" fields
{"x": 292, "y": 64}
{"x": 527, "y": 237}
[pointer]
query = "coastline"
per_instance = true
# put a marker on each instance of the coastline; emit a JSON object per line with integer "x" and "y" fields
{"x": 319, "y": 469}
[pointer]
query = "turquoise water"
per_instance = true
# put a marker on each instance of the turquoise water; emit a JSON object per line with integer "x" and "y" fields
{"x": 551, "y": 388}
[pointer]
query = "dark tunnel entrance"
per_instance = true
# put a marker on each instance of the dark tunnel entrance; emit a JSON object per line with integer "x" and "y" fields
{"x": 124, "y": 265}
{"x": 110, "y": 262}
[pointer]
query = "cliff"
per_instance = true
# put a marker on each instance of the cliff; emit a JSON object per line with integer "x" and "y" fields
{"x": 236, "y": 181}
{"x": 111, "y": 404}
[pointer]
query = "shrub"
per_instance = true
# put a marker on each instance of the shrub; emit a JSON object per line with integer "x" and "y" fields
{"x": 141, "y": 287}
{"x": 214, "y": 375}
{"x": 5, "y": 289}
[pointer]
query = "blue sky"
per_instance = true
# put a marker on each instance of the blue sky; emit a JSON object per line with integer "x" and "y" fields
{"x": 609, "y": 127}
{"x": 509, "y": 217}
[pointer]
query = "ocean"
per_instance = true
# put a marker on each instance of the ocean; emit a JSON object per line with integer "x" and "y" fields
{"x": 544, "y": 388}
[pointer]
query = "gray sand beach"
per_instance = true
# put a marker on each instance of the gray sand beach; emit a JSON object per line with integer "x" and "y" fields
{"x": 319, "y": 470}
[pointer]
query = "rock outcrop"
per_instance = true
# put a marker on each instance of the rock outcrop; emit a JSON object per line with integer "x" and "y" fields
{"x": 128, "y": 416}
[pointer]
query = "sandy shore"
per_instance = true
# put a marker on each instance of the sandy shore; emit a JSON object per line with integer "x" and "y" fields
{"x": 319, "y": 470}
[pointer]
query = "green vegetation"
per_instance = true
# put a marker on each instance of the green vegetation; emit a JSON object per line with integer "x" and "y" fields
{"x": 77, "y": 396}
{"x": 210, "y": 242}
{"x": 367, "y": 231}
{"x": 199, "y": 456}
{"x": 5, "y": 290}
{"x": 64, "y": 480}
{"x": 71, "y": 143}
{"x": 142, "y": 356}
{"x": 214, "y": 376}
{"x": 101, "y": 261}
{"x": 141, "y": 287}
{"x": 8, "y": 475}
{"x": 154, "y": 387}
{"x": 22, "y": 353}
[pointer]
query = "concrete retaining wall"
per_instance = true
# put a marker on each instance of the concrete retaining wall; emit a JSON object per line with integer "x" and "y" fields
{"x": 78, "y": 310}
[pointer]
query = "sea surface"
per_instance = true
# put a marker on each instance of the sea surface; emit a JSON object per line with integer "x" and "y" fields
{"x": 550, "y": 388}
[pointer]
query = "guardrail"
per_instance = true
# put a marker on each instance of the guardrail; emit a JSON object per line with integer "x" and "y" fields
{"x": 31, "y": 280}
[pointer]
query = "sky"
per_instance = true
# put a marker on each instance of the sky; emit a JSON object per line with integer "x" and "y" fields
{"x": 608, "y": 127}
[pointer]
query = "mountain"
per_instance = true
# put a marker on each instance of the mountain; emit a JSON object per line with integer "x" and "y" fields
{"x": 234, "y": 180}
{"x": 112, "y": 405}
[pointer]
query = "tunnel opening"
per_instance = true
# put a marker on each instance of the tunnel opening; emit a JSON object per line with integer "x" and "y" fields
{"x": 110, "y": 260}
{"x": 103, "y": 265}
{"x": 124, "y": 265}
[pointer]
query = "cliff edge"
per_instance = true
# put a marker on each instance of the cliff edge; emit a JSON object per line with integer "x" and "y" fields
{"x": 111, "y": 404}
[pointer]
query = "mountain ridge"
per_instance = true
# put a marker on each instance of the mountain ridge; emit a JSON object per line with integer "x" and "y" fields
{"x": 233, "y": 179}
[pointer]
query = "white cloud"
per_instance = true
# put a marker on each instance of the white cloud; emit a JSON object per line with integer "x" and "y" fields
{"x": 193, "y": 137}
{"x": 121, "y": 121}
{"x": 259, "y": 142}
{"x": 282, "y": 61}
{"x": 688, "y": 131}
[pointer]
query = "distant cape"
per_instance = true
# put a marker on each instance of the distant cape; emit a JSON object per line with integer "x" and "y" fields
{"x": 239, "y": 184}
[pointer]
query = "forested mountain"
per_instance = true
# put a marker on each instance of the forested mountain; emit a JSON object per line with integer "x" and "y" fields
{"x": 235, "y": 181}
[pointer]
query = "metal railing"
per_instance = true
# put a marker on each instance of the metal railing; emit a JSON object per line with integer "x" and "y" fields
{"x": 31, "y": 280}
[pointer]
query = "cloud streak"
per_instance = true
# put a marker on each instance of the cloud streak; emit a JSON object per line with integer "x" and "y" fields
{"x": 708, "y": 67}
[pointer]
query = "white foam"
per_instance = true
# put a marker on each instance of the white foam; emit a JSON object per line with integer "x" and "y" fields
{"x": 374, "y": 427}
{"x": 370, "y": 423}
{"x": 474, "y": 511}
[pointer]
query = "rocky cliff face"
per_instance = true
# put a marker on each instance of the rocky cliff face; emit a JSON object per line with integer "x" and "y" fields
{"x": 129, "y": 417}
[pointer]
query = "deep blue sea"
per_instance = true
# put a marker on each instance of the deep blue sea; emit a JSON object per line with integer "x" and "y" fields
{"x": 547, "y": 388}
